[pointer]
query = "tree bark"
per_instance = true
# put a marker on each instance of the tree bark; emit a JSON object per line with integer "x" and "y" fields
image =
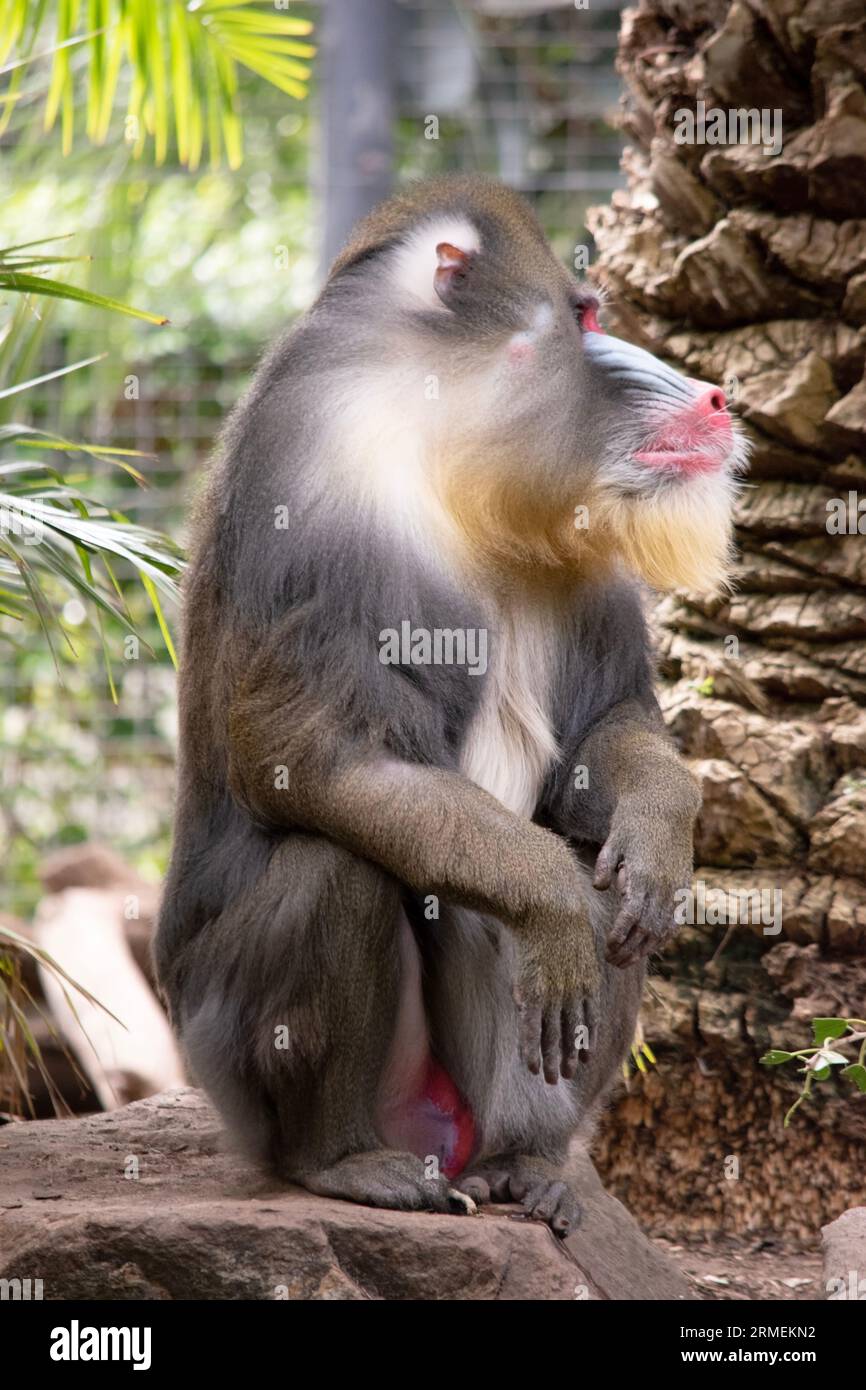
{"x": 749, "y": 269}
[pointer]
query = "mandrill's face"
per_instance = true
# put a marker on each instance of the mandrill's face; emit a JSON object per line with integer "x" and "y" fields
{"x": 555, "y": 447}
{"x": 667, "y": 458}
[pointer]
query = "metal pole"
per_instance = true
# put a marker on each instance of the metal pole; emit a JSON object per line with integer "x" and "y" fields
{"x": 358, "y": 77}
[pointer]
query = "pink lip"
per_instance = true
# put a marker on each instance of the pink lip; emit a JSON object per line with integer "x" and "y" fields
{"x": 687, "y": 461}
{"x": 694, "y": 440}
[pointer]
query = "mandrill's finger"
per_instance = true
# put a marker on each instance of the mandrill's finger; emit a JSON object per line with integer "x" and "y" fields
{"x": 634, "y": 949}
{"x": 529, "y": 1035}
{"x": 627, "y": 952}
{"x": 604, "y": 866}
{"x": 593, "y": 1018}
{"x": 572, "y": 1020}
{"x": 627, "y": 918}
{"x": 550, "y": 1042}
{"x": 621, "y": 941}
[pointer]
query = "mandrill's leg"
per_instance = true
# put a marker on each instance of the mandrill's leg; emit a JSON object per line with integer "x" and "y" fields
{"x": 296, "y": 1019}
{"x": 525, "y": 1125}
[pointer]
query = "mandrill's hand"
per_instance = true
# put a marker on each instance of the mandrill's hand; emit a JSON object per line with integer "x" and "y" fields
{"x": 648, "y": 855}
{"x": 557, "y": 981}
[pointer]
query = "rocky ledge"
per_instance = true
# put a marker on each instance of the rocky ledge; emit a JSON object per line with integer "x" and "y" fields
{"x": 146, "y": 1202}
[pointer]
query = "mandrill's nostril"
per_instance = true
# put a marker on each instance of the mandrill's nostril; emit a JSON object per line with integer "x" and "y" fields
{"x": 711, "y": 401}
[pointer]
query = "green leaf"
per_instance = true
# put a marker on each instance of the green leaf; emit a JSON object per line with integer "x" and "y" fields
{"x": 181, "y": 80}
{"x": 38, "y": 284}
{"x": 159, "y": 91}
{"x": 824, "y": 1028}
{"x": 40, "y": 241}
{"x": 39, "y": 954}
{"x": 775, "y": 1058}
{"x": 50, "y": 376}
{"x": 160, "y": 617}
{"x": 857, "y": 1073}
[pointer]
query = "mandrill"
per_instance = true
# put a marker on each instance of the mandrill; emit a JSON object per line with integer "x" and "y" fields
{"x": 412, "y": 890}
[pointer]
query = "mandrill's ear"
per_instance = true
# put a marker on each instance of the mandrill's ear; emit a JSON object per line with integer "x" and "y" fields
{"x": 450, "y": 273}
{"x": 434, "y": 262}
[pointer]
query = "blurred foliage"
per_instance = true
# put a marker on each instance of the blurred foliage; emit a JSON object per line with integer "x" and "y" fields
{"x": 229, "y": 257}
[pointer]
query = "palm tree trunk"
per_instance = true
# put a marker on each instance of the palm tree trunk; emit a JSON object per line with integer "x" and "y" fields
{"x": 749, "y": 269}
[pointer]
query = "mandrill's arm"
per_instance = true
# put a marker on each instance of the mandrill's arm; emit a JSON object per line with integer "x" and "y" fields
{"x": 640, "y": 803}
{"x": 292, "y": 765}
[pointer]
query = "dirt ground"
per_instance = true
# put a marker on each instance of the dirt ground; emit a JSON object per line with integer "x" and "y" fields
{"x": 744, "y": 1270}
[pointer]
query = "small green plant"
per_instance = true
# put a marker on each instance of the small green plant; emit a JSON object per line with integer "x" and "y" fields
{"x": 831, "y": 1036}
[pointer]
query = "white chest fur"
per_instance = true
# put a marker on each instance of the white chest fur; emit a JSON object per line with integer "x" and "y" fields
{"x": 510, "y": 743}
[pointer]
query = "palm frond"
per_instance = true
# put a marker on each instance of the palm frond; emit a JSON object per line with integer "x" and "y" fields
{"x": 57, "y": 540}
{"x": 16, "y": 275}
{"x": 49, "y": 538}
{"x": 182, "y": 59}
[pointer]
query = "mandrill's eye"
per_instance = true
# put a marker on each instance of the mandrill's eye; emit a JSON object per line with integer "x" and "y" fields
{"x": 585, "y": 310}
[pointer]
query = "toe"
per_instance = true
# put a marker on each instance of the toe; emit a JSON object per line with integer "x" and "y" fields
{"x": 476, "y": 1187}
{"x": 555, "y": 1203}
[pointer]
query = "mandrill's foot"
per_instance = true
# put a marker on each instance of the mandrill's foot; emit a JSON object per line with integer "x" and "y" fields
{"x": 386, "y": 1178}
{"x": 534, "y": 1182}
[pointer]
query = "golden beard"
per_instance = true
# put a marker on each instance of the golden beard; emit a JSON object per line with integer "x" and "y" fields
{"x": 509, "y": 527}
{"x": 677, "y": 538}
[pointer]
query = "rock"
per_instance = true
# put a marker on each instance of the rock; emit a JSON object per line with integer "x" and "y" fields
{"x": 197, "y": 1222}
{"x": 94, "y": 865}
{"x": 129, "y": 1052}
{"x": 844, "y": 1244}
{"x": 87, "y": 865}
